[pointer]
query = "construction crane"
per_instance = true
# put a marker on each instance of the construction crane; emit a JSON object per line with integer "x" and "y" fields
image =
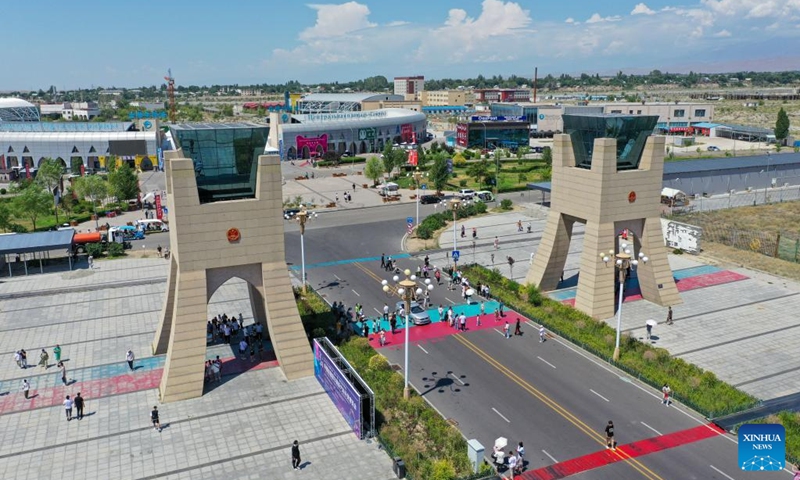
{"x": 171, "y": 92}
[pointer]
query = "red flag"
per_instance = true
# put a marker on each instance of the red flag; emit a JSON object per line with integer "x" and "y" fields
{"x": 159, "y": 210}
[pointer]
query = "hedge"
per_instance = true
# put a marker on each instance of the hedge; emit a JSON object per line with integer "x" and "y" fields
{"x": 690, "y": 384}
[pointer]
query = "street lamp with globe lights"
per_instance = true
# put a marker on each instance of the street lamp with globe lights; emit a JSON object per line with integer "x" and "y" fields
{"x": 302, "y": 217}
{"x": 406, "y": 289}
{"x": 624, "y": 260}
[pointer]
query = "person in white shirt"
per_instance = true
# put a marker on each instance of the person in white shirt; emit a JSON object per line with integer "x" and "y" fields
{"x": 68, "y": 403}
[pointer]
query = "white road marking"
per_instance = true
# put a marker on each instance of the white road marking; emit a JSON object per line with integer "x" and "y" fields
{"x": 604, "y": 398}
{"x": 550, "y": 456}
{"x": 501, "y": 415}
{"x": 420, "y": 347}
{"x": 651, "y": 428}
{"x": 545, "y": 361}
{"x": 722, "y": 473}
{"x": 356, "y": 292}
{"x": 462, "y": 383}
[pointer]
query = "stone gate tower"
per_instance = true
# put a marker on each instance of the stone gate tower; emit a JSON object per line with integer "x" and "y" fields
{"x": 226, "y": 221}
{"x": 607, "y": 174}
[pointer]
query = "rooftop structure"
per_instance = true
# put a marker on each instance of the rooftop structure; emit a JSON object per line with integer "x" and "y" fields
{"x": 629, "y": 131}
{"x": 18, "y": 110}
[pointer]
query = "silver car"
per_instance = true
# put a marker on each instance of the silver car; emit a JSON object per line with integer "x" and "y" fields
{"x": 417, "y": 315}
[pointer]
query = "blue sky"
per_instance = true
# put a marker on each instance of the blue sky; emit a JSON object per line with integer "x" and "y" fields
{"x": 90, "y": 42}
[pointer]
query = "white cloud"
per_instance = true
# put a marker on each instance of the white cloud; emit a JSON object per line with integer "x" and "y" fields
{"x": 596, "y": 18}
{"x": 722, "y": 34}
{"x": 337, "y": 20}
{"x": 642, "y": 9}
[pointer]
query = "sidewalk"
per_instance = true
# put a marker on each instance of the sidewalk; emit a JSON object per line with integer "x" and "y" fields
{"x": 733, "y": 320}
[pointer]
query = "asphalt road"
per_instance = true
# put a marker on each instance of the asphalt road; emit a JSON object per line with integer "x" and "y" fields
{"x": 552, "y": 396}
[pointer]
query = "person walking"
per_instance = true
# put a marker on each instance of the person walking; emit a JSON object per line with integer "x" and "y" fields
{"x": 26, "y": 387}
{"x": 43, "y": 359}
{"x": 610, "y": 443}
{"x": 541, "y": 334}
{"x": 154, "y": 419}
{"x": 57, "y": 353}
{"x": 507, "y": 330}
{"x": 296, "y": 455}
{"x": 63, "y": 370}
{"x": 129, "y": 357}
{"x": 79, "y": 406}
{"x": 667, "y": 393}
{"x": 669, "y": 315}
{"x": 68, "y": 404}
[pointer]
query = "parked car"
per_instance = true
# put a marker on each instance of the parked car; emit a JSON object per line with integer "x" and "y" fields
{"x": 417, "y": 315}
{"x": 713, "y": 148}
{"x": 427, "y": 199}
{"x": 289, "y": 213}
{"x": 466, "y": 193}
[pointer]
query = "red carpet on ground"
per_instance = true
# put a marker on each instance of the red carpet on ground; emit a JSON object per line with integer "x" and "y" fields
{"x": 632, "y": 450}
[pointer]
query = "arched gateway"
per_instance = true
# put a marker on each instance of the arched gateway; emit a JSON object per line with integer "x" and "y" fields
{"x": 225, "y": 223}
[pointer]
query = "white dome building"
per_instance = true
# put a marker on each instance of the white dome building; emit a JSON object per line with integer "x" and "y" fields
{"x": 18, "y": 110}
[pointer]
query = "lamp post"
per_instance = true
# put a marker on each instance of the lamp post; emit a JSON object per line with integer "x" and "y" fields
{"x": 454, "y": 204}
{"x": 406, "y": 289}
{"x": 302, "y": 217}
{"x": 624, "y": 260}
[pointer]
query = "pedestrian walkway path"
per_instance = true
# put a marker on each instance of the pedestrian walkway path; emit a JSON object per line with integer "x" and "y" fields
{"x": 605, "y": 457}
{"x": 687, "y": 279}
{"x": 100, "y": 381}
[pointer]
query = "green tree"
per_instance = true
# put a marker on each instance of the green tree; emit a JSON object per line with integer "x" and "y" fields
{"x": 49, "y": 177}
{"x": 5, "y": 217}
{"x": 479, "y": 171}
{"x": 94, "y": 188}
{"x": 782, "y": 126}
{"x": 374, "y": 169}
{"x": 438, "y": 173}
{"x": 123, "y": 183}
{"x": 547, "y": 156}
{"x": 32, "y": 203}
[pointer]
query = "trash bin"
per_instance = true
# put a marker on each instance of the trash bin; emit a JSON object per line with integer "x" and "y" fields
{"x": 399, "y": 467}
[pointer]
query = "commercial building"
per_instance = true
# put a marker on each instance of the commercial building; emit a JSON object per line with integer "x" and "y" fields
{"x": 444, "y": 98}
{"x": 71, "y": 110}
{"x": 493, "y": 132}
{"x": 27, "y": 143}
{"x": 409, "y": 87}
{"x": 490, "y": 95}
{"x": 306, "y": 135}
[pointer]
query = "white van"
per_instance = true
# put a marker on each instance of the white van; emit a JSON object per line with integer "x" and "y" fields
{"x": 151, "y": 224}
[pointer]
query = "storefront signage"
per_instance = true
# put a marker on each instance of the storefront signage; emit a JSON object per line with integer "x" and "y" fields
{"x": 314, "y": 144}
{"x": 500, "y": 118}
{"x": 366, "y": 134}
{"x": 327, "y": 117}
{"x": 338, "y": 387}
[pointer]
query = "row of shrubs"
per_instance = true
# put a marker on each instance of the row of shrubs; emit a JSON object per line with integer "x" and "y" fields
{"x": 434, "y": 222}
{"x": 343, "y": 160}
{"x": 697, "y": 388}
{"x": 411, "y": 429}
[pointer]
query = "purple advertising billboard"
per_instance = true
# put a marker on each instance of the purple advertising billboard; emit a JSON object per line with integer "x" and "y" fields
{"x": 338, "y": 387}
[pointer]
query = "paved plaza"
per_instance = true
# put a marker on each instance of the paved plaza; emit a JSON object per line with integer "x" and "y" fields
{"x": 241, "y": 428}
{"x": 736, "y": 322}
